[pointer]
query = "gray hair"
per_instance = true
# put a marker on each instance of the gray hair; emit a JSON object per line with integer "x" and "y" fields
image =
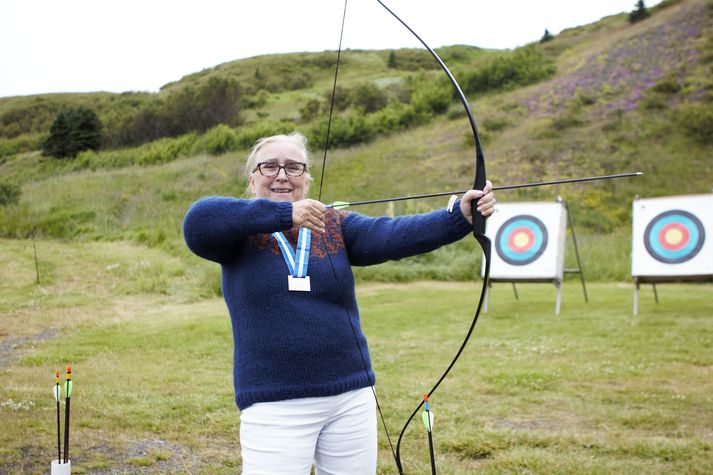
{"x": 295, "y": 138}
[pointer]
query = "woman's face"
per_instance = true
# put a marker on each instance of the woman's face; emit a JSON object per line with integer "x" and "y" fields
{"x": 280, "y": 187}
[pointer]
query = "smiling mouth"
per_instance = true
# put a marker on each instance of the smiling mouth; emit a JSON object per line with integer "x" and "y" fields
{"x": 281, "y": 190}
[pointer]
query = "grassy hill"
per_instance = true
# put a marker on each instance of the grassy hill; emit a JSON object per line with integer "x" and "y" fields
{"x": 622, "y": 97}
{"x": 141, "y": 319}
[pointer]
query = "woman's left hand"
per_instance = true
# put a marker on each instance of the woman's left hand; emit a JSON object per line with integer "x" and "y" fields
{"x": 485, "y": 202}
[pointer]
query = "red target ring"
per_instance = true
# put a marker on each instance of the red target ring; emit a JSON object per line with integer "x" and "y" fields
{"x": 674, "y": 236}
{"x": 521, "y": 239}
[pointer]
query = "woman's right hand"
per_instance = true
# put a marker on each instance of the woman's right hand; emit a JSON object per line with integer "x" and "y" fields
{"x": 309, "y": 214}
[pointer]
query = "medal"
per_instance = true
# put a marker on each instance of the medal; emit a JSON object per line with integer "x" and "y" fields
{"x": 297, "y": 262}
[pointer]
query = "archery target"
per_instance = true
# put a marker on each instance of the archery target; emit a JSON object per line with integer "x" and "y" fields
{"x": 674, "y": 236}
{"x": 671, "y": 236}
{"x": 521, "y": 240}
{"x": 528, "y": 241}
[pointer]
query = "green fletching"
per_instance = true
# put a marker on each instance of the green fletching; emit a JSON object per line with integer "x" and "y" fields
{"x": 68, "y": 388}
{"x": 426, "y": 422}
{"x": 57, "y": 390}
{"x": 340, "y": 204}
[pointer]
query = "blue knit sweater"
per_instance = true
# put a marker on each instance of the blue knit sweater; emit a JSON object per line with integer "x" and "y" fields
{"x": 301, "y": 344}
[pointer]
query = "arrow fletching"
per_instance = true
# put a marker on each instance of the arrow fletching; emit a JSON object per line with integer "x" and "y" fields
{"x": 427, "y": 420}
{"x": 57, "y": 390}
{"x": 68, "y": 383}
{"x": 339, "y": 205}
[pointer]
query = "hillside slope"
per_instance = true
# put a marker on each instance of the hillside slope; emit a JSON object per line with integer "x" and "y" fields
{"x": 625, "y": 97}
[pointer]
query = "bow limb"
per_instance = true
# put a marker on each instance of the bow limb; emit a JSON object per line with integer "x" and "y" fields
{"x": 478, "y": 221}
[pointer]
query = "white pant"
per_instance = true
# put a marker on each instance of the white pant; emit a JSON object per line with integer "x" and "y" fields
{"x": 336, "y": 433}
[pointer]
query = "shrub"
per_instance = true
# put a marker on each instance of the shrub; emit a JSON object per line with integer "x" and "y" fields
{"x": 369, "y": 97}
{"x": 73, "y": 131}
{"x": 667, "y": 85}
{"x": 697, "y": 122}
{"x": 411, "y": 60}
{"x": 9, "y": 194}
{"x": 311, "y": 109}
{"x": 191, "y": 109}
{"x": 248, "y": 135}
{"x": 20, "y": 144}
{"x": 345, "y": 131}
{"x": 520, "y": 67}
{"x": 432, "y": 97}
{"x": 341, "y": 96}
{"x": 219, "y": 139}
{"x": 397, "y": 116}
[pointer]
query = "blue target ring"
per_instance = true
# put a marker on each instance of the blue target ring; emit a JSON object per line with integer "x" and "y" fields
{"x": 674, "y": 236}
{"x": 521, "y": 240}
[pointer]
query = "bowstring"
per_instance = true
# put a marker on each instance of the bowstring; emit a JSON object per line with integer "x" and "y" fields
{"x": 329, "y": 256}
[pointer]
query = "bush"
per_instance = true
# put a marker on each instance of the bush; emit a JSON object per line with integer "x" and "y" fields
{"x": 20, "y": 144}
{"x": 191, "y": 109}
{"x": 432, "y": 97}
{"x": 697, "y": 122}
{"x": 248, "y": 135}
{"x": 341, "y": 96}
{"x": 311, "y": 109}
{"x": 369, "y": 97}
{"x": 520, "y": 67}
{"x": 9, "y": 194}
{"x": 153, "y": 153}
{"x": 73, "y": 131}
{"x": 667, "y": 85}
{"x": 345, "y": 131}
{"x": 411, "y": 60}
{"x": 219, "y": 139}
{"x": 395, "y": 117}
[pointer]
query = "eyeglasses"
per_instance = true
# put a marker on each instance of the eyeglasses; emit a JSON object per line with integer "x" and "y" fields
{"x": 273, "y": 169}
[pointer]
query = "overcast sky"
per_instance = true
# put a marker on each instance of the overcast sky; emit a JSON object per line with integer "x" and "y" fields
{"x": 140, "y": 45}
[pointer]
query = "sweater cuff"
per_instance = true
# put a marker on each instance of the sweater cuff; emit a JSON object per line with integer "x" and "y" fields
{"x": 458, "y": 220}
{"x": 284, "y": 215}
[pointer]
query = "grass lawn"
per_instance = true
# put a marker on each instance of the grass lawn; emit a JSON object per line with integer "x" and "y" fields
{"x": 590, "y": 391}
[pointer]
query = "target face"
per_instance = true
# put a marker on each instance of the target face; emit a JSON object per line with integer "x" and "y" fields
{"x": 521, "y": 240}
{"x": 674, "y": 236}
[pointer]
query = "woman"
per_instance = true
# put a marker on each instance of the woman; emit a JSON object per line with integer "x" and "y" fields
{"x": 302, "y": 374}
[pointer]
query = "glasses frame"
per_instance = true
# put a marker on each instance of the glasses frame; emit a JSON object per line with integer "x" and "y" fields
{"x": 258, "y": 167}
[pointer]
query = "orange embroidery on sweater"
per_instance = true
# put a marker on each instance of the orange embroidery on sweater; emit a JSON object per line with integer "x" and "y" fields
{"x": 330, "y": 242}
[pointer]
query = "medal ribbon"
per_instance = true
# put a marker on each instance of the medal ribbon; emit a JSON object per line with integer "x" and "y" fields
{"x": 297, "y": 262}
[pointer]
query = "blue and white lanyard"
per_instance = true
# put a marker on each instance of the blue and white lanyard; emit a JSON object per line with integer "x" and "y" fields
{"x": 297, "y": 262}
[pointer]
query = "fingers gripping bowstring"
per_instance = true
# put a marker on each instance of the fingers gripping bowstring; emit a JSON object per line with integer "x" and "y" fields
{"x": 329, "y": 256}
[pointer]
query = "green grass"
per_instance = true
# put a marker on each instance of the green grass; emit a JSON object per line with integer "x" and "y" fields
{"x": 591, "y": 391}
{"x": 140, "y": 318}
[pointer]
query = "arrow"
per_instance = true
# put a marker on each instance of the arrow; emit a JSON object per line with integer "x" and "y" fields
{"x": 67, "y": 398}
{"x": 346, "y": 204}
{"x": 427, "y": 417}
{"x": 57, "y": 396}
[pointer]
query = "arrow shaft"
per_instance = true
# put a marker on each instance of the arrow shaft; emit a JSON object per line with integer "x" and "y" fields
{"x": 504, "y": 187}
{"x": 59, "y": 444}
{"x": 432, "y": 453}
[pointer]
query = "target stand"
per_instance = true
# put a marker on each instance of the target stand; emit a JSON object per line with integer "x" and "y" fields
{"x": 529, "y": 244}
{"x": 671, "y": 241}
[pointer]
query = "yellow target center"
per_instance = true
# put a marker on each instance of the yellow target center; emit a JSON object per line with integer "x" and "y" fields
{"x": 521, "y": 240}
{"x": 673, "y": 236}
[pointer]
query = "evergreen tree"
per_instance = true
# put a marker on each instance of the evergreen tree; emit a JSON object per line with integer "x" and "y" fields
{"x": 546, "y": 37}
{"x": 641, "y": 13}
{"x": 72, "y": 131}
{"x": 392, "y": 60}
